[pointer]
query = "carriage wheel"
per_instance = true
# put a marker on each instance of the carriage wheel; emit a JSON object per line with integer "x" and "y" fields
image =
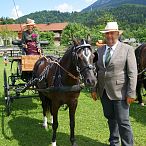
{"x": 6, "y": 94}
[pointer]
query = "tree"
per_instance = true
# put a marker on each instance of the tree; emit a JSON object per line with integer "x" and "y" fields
{"x": 6, "y": 20}
{"x": 95, "y": 34}
{"x": 104, "y": 18}
{"x": 47, "y": 36}
{"x": 74, "y": 30}
{"x": 7, "y": 35}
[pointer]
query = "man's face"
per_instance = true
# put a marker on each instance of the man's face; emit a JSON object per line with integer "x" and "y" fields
{"x": 111, "y": 37}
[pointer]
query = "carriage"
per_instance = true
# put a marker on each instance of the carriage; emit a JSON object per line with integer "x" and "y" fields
{"x": 21, "y": 73}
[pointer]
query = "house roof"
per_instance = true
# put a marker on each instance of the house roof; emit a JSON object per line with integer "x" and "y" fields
{"x": 11, "y": 27}
{"x": 41, "y": 27}
{"x": 52, "y": 26}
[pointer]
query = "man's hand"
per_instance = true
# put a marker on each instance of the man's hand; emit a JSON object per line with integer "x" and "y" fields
{"x": 130, "y": 100}
{"x": 94, "y": 95}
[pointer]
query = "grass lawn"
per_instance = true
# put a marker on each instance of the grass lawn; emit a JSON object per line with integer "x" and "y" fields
{"x": 23, "y": 126}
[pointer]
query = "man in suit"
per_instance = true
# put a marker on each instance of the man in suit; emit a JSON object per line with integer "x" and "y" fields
{"x": 117, "y": 78}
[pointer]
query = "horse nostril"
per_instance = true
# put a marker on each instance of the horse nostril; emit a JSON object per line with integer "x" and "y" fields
{"x": 88, "y": 81}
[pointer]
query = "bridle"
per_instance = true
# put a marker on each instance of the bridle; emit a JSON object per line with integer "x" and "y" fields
{"x": 75, "y": 51}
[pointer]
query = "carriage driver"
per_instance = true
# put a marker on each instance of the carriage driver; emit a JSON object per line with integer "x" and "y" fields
{"x": 30, "y": 39}
{"x": 117, "y": 78}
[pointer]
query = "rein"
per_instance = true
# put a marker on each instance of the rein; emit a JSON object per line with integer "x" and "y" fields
{"x": 144, "y": 70}
{"x": 70, "y": 74}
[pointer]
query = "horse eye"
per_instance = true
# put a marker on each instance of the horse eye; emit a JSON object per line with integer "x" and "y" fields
{"x": 80, "y": 55}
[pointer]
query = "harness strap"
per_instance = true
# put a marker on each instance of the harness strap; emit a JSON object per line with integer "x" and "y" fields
{"x": 84, "y": 45}
{"x": 70, "y": 74}
{"x": 62, "y": 89}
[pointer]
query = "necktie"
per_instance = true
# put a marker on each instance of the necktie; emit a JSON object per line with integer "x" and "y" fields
{"x": 108, "y": 56}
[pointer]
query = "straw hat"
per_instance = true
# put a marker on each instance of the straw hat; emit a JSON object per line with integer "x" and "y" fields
{"x": 110, "y": 27}
{"x": 29, "y": 22}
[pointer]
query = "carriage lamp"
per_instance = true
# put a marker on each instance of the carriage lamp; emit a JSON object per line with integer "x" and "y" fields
{"x": 5, "y": 58}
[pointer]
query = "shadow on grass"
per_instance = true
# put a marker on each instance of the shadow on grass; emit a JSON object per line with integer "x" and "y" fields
{"x": 1, "y": 99}
{"x": 138, "y": 113}
{"x": 24, "y": 104}
{"x": 28, "y": 132}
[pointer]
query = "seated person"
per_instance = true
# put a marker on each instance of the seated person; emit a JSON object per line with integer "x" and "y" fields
{"x": 30, "y": 39}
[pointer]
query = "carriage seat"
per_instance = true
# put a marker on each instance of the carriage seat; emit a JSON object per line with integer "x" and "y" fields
{"x": 28, "y": 62}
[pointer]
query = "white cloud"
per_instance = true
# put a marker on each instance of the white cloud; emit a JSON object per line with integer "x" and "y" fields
{"x": 17, "y": 14}
{"x": 90, "y": 1}
{"x": 78, "y": 10}
{"x": 64, "y": 7}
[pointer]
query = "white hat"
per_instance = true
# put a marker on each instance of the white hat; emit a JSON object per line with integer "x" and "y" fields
{"x": 29, "y": 22}
{"x": 111, "y": 26}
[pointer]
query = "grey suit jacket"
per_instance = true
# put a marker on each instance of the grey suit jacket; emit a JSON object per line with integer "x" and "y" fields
{"x": 119, "y": 78}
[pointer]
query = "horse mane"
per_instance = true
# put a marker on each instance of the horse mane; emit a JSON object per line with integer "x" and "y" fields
{"x": 68, "y": 53}
{"x": 69, "y": 50}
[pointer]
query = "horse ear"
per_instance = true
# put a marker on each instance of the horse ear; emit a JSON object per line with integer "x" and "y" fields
{"x": 75, "y": 41}
{"x": 89, "y": 38}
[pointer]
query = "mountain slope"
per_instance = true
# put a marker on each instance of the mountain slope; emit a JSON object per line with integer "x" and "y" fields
{"x": 127, "y": 14}
{"x": 105, "y": 4}
{"x": 45, "y": 17}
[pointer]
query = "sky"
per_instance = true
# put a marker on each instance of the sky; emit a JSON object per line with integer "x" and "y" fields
{"x": 24, "y": 7}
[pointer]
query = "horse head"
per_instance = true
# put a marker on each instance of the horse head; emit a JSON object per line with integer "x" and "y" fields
{"x": 83, "y": 60}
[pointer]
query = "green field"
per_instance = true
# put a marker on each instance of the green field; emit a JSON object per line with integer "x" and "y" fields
{"x": 23, "y": 126}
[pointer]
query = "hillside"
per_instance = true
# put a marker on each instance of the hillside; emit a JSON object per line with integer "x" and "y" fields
{"x": 46, "y": 17}
{"x": 106, "y": 4}
{"x": 125, "y": 14}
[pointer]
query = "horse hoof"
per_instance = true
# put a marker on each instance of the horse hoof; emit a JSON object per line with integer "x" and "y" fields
{"x": 51, "y": 120}
{"x": 142, "y": 104}
{"x": 54, "y": 143}
{"x": 45, "y": 126}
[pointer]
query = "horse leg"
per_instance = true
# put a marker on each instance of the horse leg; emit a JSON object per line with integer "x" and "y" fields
{"x": 51, "y": 113}
{"x": 45, "y": 109}
{"x": 55, "y": 122}
{"x": 138, "y": 90}
{"x": 72, "y": 109}
{"x": 45, "y": 106}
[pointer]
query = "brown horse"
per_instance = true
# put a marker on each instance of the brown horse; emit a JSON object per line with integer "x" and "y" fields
{"x": 62, "y": 80}
{"x": 140, "y": 54}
